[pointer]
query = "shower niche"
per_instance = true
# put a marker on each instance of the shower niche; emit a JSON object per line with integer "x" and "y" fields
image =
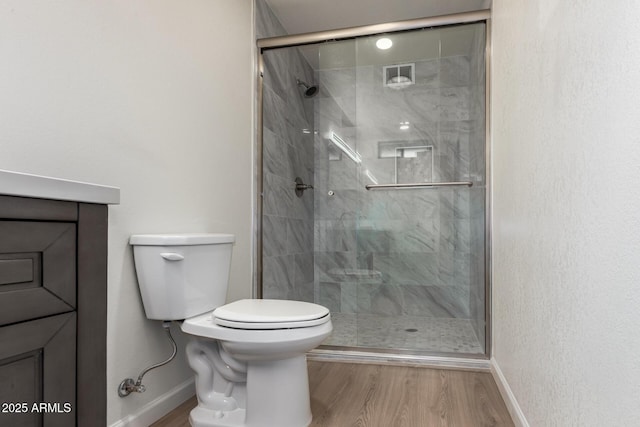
{"x": 413, "y": 161}
{"x": 401, "y": 268}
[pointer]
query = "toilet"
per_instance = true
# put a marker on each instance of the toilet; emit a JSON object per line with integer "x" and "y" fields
{"x": 249, "y": 356}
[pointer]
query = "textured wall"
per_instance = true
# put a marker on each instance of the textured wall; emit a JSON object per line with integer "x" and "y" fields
{"x": 136, "y": 94}
{"x": 566, "y": 246}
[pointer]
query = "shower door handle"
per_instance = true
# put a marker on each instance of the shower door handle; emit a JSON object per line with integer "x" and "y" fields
{"x": 411, "y": 185}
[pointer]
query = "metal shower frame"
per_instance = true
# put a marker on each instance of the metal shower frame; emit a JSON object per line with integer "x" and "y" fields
{"x": 477, "y": 362}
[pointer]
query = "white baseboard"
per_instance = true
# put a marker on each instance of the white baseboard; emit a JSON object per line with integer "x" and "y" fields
{"x": 507, "y": 395}
{"x": 159, "y": 407}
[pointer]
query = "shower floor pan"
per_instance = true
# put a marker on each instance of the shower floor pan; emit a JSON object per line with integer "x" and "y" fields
{"x": 417, "y": 333}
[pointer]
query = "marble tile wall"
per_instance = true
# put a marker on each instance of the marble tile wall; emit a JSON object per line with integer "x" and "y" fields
{"x": 288, "y": 221}
{"x": 402, "y": 253}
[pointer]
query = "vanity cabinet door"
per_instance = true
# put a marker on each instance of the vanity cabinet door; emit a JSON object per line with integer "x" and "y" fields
{"x": 53, "y": 311}
{"x": 38, "y": 365}
{"x": 37, "y": 269}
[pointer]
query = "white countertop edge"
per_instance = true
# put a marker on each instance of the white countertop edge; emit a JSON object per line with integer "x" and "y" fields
{"x": 44, "y": 187}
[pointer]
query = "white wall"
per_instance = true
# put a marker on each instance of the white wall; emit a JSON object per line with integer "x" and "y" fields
{"x": 566, "y": 222}
{"x": 154, "y": 97}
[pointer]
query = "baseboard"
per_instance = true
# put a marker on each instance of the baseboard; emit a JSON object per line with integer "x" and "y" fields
{"x": 507, "y": 395}
{"x": 159, "y": 407}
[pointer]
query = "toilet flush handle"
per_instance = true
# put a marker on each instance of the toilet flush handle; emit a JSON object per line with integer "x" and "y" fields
{"x": 171, "y": 256}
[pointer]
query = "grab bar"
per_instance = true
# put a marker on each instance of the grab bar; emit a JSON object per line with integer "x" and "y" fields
{"x": 417, "y": 185}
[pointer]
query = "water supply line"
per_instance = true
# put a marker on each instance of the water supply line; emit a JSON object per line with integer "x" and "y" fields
{"x": 128, "y": 385}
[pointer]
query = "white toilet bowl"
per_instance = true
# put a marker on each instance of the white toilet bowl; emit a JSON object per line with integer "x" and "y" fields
{"x": 249, "y": 355}
{"x": 259, "y": 362}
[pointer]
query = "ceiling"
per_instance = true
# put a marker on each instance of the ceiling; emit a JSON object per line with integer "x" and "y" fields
{"x": 304, "y": 16}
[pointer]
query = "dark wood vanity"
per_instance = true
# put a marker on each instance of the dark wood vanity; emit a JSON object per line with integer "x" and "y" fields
{"x": 53, "y": 312}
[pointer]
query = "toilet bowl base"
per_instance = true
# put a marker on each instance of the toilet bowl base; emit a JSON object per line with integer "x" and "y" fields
{"x": 263, "y": 371}
{"x": 278, "y": 393}
{"x": 277, "y": 396}
{"x": 202, "y": 417}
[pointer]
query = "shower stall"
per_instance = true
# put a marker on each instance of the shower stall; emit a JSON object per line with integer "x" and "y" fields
{"x": 373, "y": 182}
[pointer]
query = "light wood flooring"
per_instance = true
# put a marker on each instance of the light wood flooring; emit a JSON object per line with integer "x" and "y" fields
{"x": 366, "y": 395}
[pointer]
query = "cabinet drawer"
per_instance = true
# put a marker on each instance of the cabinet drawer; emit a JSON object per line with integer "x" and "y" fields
{"x": 37, "y": 269}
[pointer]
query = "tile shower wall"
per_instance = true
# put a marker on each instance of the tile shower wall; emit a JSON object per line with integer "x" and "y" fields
{"x": 402, "y": 253}
{"x": 287, "y": 221}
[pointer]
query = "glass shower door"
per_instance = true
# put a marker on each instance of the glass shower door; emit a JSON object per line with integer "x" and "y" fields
{"x": 407, "y": 266}
{"x": 338, "y": 191}
{"x": 400, "y": 266}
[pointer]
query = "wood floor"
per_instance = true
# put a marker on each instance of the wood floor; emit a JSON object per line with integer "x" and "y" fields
{"x": 359, "y": 395}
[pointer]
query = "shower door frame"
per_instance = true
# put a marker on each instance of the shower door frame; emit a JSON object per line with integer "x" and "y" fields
{"x": 359, "y": 353}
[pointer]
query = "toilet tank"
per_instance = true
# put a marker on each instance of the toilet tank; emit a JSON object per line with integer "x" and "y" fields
{"x": 182, "y": 275}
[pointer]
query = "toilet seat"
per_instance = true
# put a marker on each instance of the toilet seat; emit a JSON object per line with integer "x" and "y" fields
{"x": 266, "y": 314}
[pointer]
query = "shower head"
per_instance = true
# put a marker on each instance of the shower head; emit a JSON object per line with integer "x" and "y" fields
{"x": 309, "y": 91}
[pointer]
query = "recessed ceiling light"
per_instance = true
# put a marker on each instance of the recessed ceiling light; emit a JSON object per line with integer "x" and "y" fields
{"x": 384, "y": 43}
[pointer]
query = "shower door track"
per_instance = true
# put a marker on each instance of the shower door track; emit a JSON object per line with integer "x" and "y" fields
{"x": 459, "y": 360}
{"x": 367, "y": 30}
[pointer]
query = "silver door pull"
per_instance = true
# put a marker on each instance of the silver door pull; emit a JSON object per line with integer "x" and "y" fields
{"x": 418, "y": 185}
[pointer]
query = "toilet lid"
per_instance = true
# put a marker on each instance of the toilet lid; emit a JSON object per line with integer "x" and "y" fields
{"x": 270, "y": 314}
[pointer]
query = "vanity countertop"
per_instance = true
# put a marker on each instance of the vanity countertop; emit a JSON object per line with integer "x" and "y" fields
{"x": 44, "y": 187}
